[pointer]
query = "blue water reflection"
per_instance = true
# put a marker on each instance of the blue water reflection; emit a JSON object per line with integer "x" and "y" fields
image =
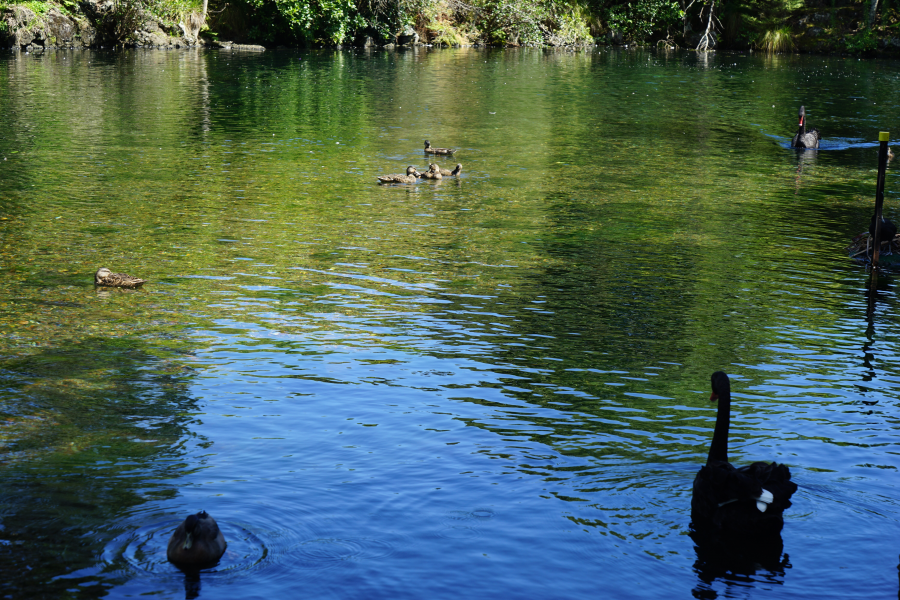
{"x": 491, "y": 386}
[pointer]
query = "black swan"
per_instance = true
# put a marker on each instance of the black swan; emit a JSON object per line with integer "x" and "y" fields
{"x": 197, "y": 542}
{"x": 747, "y": 501}
{"x": 888, "y": 231}
{"x": 804, "y": 138}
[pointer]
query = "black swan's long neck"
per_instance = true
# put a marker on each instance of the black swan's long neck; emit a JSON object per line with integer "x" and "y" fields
{"x": 718, "y": 449}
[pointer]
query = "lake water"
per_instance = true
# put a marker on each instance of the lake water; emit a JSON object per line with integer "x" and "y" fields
{"x": 492, "y": 386}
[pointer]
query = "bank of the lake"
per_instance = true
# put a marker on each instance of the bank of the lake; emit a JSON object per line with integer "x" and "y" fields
{"x": 773, "y": 26}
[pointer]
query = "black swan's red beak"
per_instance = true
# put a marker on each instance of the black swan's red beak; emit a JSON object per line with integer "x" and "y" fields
{"x": 713, "y": 397}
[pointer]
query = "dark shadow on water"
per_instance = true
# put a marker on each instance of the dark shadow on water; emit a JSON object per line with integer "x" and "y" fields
{"x": 103, "y": 420}
{"x": 737, "y": 562}
{"x": 192, "y": 579}
{"x": 192, "y": 583}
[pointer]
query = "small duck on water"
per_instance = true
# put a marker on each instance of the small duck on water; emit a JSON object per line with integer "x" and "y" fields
{"x": 433, "y": 172}
{"x": 448, "y": 173}
{"x": 430, "y": 150}
{"x": 197, "y": 542}
{"x": 104, "y": 276}
{"x": 411, "y": 175}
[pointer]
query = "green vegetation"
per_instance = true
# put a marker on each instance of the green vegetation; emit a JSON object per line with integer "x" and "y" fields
{"x": 35, "y": 6}
{"x": 772, "y": 26}
{"x": 777, "y": 40}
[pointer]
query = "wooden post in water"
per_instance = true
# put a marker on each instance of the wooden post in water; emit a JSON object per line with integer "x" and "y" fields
{"x": 883, "y": 137}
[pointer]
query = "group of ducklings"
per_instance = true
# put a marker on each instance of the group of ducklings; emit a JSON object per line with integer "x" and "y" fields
{"x": 434, "y": 171}
{"x": 105, "y": 277}
{"x": 198, "y": 542}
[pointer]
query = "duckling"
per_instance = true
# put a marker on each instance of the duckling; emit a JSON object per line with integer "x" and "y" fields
{"x": 410, "y": 177}
{"x": 104, "y": 276}
{"x": 431, "y": 150}
{"x": 197, "y": 542}
{"x": 433, "y": 172}
{"x": 454, "y": 173}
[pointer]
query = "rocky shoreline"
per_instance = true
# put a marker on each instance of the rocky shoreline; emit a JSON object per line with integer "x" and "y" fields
{"x": 96, "y": 24}
{"x": 23, "y": 29}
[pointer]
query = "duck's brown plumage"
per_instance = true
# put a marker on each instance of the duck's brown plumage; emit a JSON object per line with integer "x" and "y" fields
{"x": 411, "y": 175}
{"x": 197, "y": 542}
{"x": 430, "y": 150}
{"x": 104, "y": 276}
{"x": 448, "y": 173}
{"x": 433, "y": 172}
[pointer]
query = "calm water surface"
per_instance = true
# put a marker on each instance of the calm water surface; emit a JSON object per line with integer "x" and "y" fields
{"x": 484, "y": 387}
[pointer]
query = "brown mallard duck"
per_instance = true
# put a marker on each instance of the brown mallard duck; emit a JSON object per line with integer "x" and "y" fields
{"x": 196, "y": 542}
{"x": 104, "y": 276}
{"x": 448, "y": 173}
{"x": 411, "y": 174}
{"x": 430, "y": 150}
{"x": 433, "y": 172}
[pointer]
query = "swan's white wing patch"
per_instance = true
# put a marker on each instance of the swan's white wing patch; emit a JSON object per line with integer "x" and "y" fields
{"x": 764, "y": 500}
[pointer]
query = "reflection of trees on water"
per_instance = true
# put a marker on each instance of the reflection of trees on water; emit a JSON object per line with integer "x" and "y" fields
{"x": 805, "y": 159}
{"x": 92, "y": 427}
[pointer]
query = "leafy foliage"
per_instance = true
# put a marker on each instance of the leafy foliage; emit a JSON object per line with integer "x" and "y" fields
{"x": 771, "y": 25}
{"x": 863, "y": 41}
{"x": 638, "y": 20}
{"x": 117, "y": 23}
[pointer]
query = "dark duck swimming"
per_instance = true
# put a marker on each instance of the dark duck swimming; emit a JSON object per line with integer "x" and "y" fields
{"x": 746, "y": 501}
{"x": 429, "y": 149}
{"x": 197, "y": 542}
{"x": 888, "y": 231}
{"x": 804, "y": 138}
